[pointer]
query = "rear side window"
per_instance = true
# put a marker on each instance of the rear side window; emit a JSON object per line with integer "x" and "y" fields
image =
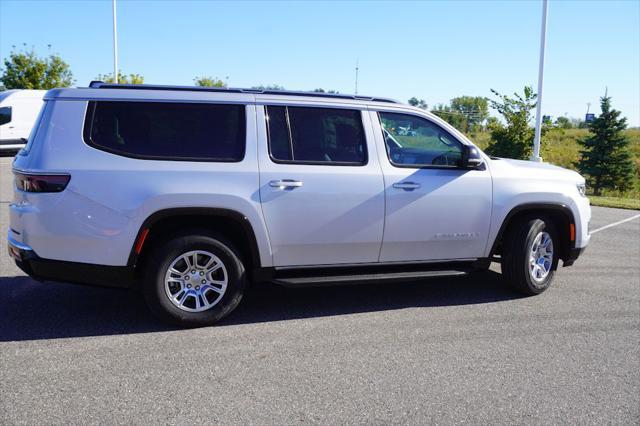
{"x": 5, "y": 115}
{"x": 170, "y": 131}
{"x": 316, "y": 135}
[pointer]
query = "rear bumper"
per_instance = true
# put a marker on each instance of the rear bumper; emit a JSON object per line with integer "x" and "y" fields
{"x": 69, "y": 272}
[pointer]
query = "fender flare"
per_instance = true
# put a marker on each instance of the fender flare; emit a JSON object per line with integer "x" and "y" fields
{"x": 236, "y": 216}
{"x": 521, "y": 208}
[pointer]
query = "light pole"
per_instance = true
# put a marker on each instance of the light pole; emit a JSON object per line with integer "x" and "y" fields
{"x": 115, "y": 44}
{"x": 357, "y": 69}
{"x": 543, "y": 43}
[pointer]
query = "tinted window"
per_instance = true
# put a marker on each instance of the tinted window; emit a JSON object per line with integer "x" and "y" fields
{"x": 43, "y": 119}
{"x": 316, "y": 135}
{"x": 279, "y": 141}
{"x": 168, "y": 130}
{"x": 5, "y": 115}
{"x": 415, "y": 141}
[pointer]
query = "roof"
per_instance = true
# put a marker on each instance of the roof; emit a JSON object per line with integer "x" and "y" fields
{"x": 102, "y": 85}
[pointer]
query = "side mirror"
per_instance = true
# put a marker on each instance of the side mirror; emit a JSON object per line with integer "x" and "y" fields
{"x": 471, "y": 158}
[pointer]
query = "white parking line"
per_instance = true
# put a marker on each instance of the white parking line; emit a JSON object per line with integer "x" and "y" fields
{"x": 615, "y": 223}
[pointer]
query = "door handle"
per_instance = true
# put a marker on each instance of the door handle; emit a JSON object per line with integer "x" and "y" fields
{"x": 407, "y": 186}
{"x": 285, "y": 183}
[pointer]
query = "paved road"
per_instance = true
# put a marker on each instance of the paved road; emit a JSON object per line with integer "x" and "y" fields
{"x": 445, "y": 351}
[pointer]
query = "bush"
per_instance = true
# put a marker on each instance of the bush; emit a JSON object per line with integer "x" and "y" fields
{"x": 514, "y": 140}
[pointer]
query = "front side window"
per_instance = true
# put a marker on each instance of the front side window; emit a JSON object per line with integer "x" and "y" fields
{"x": 316, "y": 135}
{"x": 164, "y": 130}
{"x": 413, "y": 141}
{"x": 5, "y": 115}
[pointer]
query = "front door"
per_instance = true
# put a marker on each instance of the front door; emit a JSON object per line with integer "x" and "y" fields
{"x": 435, "y": 210}
{"x": 321, "y": 187}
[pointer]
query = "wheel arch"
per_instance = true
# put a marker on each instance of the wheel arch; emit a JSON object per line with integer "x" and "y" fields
{"x": 561, "y": 215}
{"x": 231, "y": 224}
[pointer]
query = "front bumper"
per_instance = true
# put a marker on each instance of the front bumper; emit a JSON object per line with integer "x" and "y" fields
{"x": 69, "y": 272}
{"x": 574, "y": 254}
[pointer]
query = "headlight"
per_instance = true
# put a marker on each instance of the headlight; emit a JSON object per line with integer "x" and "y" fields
{"x": 582, "y": 189}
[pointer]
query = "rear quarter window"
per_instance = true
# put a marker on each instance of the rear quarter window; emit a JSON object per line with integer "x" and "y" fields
{"x": 168, "y": 131}
{"x": 42, "y": 120}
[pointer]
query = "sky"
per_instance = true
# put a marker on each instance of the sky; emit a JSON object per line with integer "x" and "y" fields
{"x": 435, "y": 50}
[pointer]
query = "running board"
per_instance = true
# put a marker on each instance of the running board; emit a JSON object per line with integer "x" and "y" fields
{"x": 318, "y": 281}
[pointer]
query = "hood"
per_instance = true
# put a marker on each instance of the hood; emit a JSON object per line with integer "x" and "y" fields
{"x": 537, "y": 169}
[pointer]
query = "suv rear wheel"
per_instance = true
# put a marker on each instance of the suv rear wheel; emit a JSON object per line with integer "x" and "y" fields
{"x": 530, "y": 257}
{"x": 194, "y": 279}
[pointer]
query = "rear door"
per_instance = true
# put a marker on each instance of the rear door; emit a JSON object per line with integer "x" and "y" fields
{"x": 321, "y": 187}
{"x": 435, "y": 210}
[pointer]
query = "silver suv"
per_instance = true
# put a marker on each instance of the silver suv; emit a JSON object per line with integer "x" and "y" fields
{"x": 192, "y": 193}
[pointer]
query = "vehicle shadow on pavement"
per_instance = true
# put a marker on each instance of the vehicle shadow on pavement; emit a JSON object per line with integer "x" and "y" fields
{"x": 30, "y": 310}
{"x": 270, "y": 302}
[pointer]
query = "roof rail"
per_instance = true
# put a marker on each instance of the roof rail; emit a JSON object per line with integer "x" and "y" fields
{"x": 103, "y": 85}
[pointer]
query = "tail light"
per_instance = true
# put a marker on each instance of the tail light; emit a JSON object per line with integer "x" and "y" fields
{"x": 35, "y": 182}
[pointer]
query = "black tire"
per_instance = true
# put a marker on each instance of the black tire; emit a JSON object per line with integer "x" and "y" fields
{"x": 481, "y": 266}
{"x": 516, "y": 248}
{"x": 162, "y": 256}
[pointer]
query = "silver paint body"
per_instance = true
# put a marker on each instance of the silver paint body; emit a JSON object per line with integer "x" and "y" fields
{"x": 337, "y": 215}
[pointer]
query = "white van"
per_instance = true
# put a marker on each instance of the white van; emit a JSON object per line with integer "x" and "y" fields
{"x": 18, "y": 111}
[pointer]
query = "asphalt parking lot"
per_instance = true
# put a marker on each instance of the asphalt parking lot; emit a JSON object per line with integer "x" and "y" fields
{"x": 464, "y": 349}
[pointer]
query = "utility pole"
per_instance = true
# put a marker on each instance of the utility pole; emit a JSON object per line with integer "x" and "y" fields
{"x": 115, "y": 44}
{"x": 356, "y": 76}
{"x": 543, "y": 43}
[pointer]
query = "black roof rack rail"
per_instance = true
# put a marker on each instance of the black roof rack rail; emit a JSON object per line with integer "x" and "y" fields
{"x": 103, "y": 85}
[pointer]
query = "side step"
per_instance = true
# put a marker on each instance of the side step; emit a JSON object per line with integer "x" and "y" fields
{"x": 328, "y": 280}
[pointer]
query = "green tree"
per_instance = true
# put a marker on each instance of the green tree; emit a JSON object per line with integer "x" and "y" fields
{"x": 564, "y": 123}
{"x": 122, "y": 78}
{"x": 465, "y": 113}
{"x": 576, "y": 123}
{"x": 515, "y": 139}
{"x": 492, "y": 121}
{"x": 418, "y": 103}
{"x": 321, "y": 90}
{"x": 268, "y": 87}
{"x": 26, "y": 70}
{"x": 605, "y": 159}
{"x": 206, "y": 81}
{"x": 455, "y": 118}
{"x": 475, "y": 110}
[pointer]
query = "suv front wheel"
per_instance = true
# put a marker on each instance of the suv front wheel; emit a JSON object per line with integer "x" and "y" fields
{"x": 194, "y": 279}
{"x": 529, "y": 255}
